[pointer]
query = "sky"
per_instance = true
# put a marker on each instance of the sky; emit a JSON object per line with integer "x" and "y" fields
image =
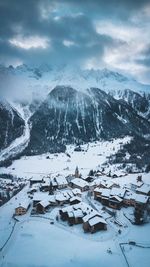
{"x": 89, "y": 33}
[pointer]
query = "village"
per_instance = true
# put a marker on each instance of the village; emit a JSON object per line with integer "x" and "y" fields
{"x": 105, "y": 209}
{"x": 87, "y": 200}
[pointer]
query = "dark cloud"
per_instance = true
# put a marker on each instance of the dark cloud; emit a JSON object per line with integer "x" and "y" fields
{"x": 62, "y": 22}
{"x": 145, "y": 57}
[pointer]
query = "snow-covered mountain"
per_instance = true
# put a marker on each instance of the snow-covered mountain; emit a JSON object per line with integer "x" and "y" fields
{"x": 30, "y": 85}
{"x": 116, "y": 105}
{"x": 69, "y": 116}
{"x": 138, "y": 101}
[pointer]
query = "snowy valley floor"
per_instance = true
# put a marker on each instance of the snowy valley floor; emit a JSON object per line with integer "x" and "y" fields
{"x": 35, "y": 242}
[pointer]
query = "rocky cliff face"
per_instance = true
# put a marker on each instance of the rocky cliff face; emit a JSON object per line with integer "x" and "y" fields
{"x": 69, "y": 116}
{"x": 11, "y": 124}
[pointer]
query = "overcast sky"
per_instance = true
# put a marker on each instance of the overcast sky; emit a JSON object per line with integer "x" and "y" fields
{"x": 91, "y": 33}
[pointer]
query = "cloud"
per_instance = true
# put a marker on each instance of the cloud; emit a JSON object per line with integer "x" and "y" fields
{"x": 89, "y": 33}
{"x": 29, "y": 42}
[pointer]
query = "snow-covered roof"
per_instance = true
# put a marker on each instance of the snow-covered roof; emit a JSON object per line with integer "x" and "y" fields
{"x": 90, "y": 215}
{"x": 24, "y": 204}
{"x": 76, "y": 191}
{"x": 75, "y": 198}
{"x": 117, "y": 198}
{"x": 109, "y": 183}
{"x": 145, "y": 189}
{"x": 39, "y": 196}
{"x": 96, "y": 182}
{"x": 120, "y": 192}
{"x": 80, "y": 182}
{"x": 61, "y": 180}
{"x": 137, "y": 183}
{"x": 46, "y": 182}
{"x": 98, "y": 190}
{"x": 78, "y": 213}
{"x": 95, "y": 220}
{"x": 44, "y": 203}
{"x": 105, "y": 192}
{"x": 81, "y": 206}
{"x": 141, "y": 198}
{"x": 60, "y": 197}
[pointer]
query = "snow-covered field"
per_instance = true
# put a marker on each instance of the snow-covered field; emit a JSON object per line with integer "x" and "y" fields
{"x": 94, "y": 156}
{"x": 39, "y": 243}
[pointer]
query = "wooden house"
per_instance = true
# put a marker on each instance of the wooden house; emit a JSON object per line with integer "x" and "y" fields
{"x": 115, "y": 202}
{"x": 36, "y": 180}
{"x": 94, "y": 224}
{"x": 97, "y": 193}
{"x": 61, "y": 182}
{"x": 105, "y": 196}
{"x": 80, "y": 184}
{"x": 144, "y": 190}
{"x": 42, "y": 206}
{"x": 75, "y": 217}
{"x": 75, "y": 200}
{"x": 22, "y": 208}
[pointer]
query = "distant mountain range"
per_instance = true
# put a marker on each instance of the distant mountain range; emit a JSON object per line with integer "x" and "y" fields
{"x": 31, "y": 85}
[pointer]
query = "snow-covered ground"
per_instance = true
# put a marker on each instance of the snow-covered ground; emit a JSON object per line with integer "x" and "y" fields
{"x": 94, "y": 156}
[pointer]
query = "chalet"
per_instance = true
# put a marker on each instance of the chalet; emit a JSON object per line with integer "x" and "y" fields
{"x": 144, "y": 190}
{"x": 87, "y": 217}
{"x": 95, "y": 183}
{"x": 80, "y": 184}
{"x": 38, "y": 197}
{"x": 77, "y": 192}
{"x": 42, "y": 206}
{"x": 54, "y": 183}
{"x": 22, "y": 208}
{"x": 64, "y": 212}
{"x": 74, "y": 213}
{"x": 61, "y": 199}
{"x": 115, "y": 202}
{"x": 129, "y": 198}
{"x": 36, "y": 180}
{"x": 61, "y": 182}
{"x": 120, "y": 192}
{"x": 94, "y": 223}
{"x": 141, "y": 200}
{"x": 52, "y": 200}
{"x": 105, "y": 196}
{"x": 75, "y": 200}
{"x": 111, "y": 184}
{"x": 97, "y": 193}
{"x": 136, "y": 184}
{"x": 75, "y": 217}
{"x": 45, "y": 186}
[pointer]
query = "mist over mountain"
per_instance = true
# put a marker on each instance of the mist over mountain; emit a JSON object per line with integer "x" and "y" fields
{"x": 31, "y": 85}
